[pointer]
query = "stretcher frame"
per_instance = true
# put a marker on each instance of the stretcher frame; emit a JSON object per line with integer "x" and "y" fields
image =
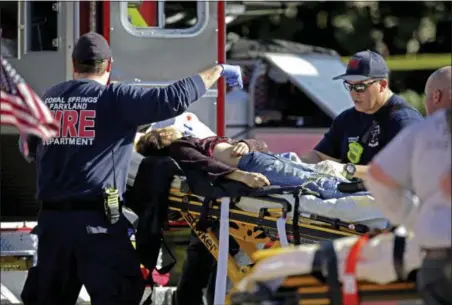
{"x": 312, "y": 290}
{"x": 323, "y": 287}
{"x": 249, "y": 229}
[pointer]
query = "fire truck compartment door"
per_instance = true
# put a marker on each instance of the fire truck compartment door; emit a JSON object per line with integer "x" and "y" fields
{"x": 312, "y": 74}
{"x": 155, "y": 56}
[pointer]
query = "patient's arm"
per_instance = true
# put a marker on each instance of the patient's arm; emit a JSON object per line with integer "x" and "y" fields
{"x": 239, "y": 149}
{"x": 256, "y": 145}
{"x": 189, "y": 157}
{"x": 253, "y": 180}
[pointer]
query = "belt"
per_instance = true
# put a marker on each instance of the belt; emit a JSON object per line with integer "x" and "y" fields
{"x": 438, "y": 253}
{"x": 74, "y": 205}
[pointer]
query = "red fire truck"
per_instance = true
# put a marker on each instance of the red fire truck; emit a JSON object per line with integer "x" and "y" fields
{"x": 153, "y": 44}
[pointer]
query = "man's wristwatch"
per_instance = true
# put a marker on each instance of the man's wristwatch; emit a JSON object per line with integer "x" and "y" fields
{"x": 349, "y": 171}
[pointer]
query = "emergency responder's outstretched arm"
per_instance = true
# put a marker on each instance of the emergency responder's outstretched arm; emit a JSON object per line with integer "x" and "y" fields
{"x": 140, "y": 106}
{"x": 233, "y": 75}
{"x": 210, "y": 76}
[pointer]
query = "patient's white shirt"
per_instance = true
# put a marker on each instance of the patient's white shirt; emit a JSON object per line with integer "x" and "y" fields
{"x": 418, "y": 158}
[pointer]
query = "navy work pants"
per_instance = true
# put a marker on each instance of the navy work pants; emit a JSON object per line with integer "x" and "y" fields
{"x": 78, "y": 248}
{"x": 434, "y": 278}
{"x": 199, "y": 272}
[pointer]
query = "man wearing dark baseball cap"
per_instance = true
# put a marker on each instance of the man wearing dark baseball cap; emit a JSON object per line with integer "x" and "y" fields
{"x": 92, "y": 54}
{"x": 360, "y": 132}
{"x": 91, "y": 47}
{"x": 363, "y": 66}
{"x": 81, "y": 177}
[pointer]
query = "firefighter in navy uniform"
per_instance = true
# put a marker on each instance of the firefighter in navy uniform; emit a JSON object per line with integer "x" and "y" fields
{"x": 378, "y": 115}
{"x": 81, "y": 175}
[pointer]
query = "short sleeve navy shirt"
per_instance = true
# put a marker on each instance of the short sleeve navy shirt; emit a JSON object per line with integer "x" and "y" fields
{"x": 381, "y": 127}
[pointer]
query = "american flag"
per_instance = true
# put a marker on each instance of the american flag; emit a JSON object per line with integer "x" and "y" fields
{"x": 21, "y": 107}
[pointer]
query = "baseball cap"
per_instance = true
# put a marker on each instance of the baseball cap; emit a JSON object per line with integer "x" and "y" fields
{"x": 91, "y": 46}
{"x": 365, "y": 65}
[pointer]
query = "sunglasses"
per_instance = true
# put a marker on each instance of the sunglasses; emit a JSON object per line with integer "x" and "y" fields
{"x": 360, "y": 88}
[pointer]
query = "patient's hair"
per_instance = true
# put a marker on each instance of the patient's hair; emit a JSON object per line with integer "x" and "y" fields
{"x": 150, "y": 144}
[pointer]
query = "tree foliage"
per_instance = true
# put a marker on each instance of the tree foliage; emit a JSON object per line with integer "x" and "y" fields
{"x": 388, "y": 27}
{"x": 391, "y": 28}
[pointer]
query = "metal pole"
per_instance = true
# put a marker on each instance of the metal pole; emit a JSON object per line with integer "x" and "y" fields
{"x": 76, "y": 20}
{"x": 221, "y": 126}
{"x": 92, "y": 16}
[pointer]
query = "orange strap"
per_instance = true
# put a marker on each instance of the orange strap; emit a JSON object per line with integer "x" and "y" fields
{"x": 349, "y": 284}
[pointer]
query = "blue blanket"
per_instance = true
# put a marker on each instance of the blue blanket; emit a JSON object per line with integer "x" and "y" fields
{"x": 284, "y": 172}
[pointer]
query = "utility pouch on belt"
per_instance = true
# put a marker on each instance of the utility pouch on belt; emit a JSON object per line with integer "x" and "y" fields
{"x": 111, "y": 205}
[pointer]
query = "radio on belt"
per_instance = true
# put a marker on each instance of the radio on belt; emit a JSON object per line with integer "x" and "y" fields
{"x": 111, "y": 205}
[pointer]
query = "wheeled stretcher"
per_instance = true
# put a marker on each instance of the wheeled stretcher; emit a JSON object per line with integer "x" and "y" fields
{"x": 270, "y": 225}
{"x": 253, "y": 217}
{"x": 348, "y": 271}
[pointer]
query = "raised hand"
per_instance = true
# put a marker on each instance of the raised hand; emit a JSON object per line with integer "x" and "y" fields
{"x": 233, "y": 75}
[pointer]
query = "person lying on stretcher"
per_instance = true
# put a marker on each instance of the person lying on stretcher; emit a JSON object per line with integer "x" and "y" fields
{"x": 247, "y": 161}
